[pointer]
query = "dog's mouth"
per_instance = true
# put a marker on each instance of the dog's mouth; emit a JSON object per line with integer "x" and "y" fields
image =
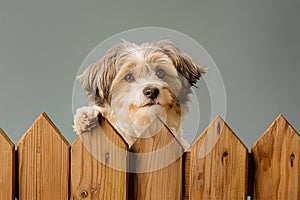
{"x": 151, "y": 103}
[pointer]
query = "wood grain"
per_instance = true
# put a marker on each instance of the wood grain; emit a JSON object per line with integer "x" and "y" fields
{"x": 218, "y": 164}
{"x": 277, "y": 162}
{"x": 157, "y": 161}
{"x": 99, "y": 165}
{"x": 43, "y": 155}
{"x": 7, "y": 163}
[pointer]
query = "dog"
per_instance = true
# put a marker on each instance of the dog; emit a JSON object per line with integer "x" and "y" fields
{"x": 138, "y": 86}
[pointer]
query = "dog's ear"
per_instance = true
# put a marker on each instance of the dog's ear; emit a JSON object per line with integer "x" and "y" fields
{"x": 188, "y": 69}
{"x": 96, "y": 80}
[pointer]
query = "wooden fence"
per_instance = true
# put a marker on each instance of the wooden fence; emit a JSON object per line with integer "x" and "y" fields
{"x": 46, "y": 167}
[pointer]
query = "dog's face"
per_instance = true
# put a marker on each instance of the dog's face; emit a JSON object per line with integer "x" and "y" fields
{"x": 145, "y": 90}
{"x": 138, "y": 84}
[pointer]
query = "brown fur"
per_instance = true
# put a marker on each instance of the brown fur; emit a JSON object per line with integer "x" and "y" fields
{"x": 123, "y": 103}
{"x": 98, "y": 87}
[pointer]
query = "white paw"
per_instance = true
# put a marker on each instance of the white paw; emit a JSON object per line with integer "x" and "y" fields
{"x": 85, "y": 119}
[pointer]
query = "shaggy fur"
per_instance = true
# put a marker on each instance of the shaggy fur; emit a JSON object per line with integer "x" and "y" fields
{"x": 133, "y": 85}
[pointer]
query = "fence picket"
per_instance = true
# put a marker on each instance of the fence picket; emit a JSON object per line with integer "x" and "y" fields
{"x": 103, "y": 166}
{"x": 218, "y": 164}
{"x": 7, "y": 160}
{"x": 277, "y": 162}
{"x": 99, "y": 165}
{"x": 43, "y": 155}
{"x": 158, "y": 166}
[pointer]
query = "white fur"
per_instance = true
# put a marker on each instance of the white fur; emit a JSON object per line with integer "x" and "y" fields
{"x": 123, "y": 102}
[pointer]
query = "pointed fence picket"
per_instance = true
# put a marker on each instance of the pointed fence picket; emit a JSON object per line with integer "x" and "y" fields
{"x": 7, "y": 167}
{"x": 218, "y": 164}
{"x": 43, "y": 158}
{"x": 101, "y": 165}
{"x": 157, "y": 161}
{"x": 98, "y": 165}
{"x": 276, "y": 155}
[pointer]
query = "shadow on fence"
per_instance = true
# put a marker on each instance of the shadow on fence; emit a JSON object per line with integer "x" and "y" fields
{"x": 217, "y": 166}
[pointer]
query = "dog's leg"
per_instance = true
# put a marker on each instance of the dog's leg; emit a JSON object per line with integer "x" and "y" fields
{"x": 85, "y": 119}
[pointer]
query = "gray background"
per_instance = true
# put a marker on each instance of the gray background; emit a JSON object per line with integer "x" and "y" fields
{"x": 255, "y": 45}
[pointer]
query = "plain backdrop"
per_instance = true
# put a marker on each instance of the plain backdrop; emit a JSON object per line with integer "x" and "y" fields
{"x": 255, "y": 45}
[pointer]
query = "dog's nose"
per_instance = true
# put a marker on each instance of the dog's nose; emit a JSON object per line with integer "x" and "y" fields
{"x": 151, "y": 92}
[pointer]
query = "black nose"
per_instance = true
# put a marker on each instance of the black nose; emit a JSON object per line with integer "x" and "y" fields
{"x": 151, "y": 92}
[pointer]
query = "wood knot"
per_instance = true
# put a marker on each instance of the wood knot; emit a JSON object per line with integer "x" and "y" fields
{"x": 84, "y": 194}
{"x": 219, "y": 128}
{"x": 292, "y": 158}
{"x": 224, "y": 155}
{"x": 200, "y": 175}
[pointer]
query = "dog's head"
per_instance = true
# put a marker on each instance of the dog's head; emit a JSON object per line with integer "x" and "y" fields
{"x": 139, "y": 83}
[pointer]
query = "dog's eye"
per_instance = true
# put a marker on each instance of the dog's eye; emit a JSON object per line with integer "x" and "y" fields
{"x": 129, "y": 77}
{"x": 160, "y": 73}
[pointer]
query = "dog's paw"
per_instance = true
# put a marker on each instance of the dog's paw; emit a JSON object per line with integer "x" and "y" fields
{"x": 85, "y": 119}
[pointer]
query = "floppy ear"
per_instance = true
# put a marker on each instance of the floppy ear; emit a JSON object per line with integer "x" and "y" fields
{"x": 189, "y": 70}
{"x": 96, "y": 80}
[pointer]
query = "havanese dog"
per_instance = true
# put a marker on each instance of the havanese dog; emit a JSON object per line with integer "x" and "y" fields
{"x": 134, "y": 86}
